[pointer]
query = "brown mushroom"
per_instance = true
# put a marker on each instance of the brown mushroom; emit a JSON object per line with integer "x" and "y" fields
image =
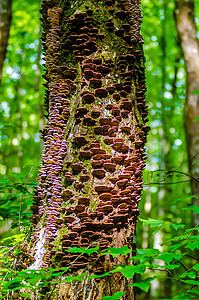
{"x": 77, "y": 168}
{"x": 96, "y": 164}
{"x": 95, "y": 82}
{"x": 67, "y": 194}
{"x": 88, "y": 98}
{"x": 103, "y": 189}
{"x": 88, "y": 73}
{"x": 122, "y": 182}
{"x": 95, "y": 114}
{"x": 109, "y": 167}
{"x": 100, "y": 92}
{"x": 86, "y": 154}
{"x": 105, "y": 196}
{"x": 98, "y": 173}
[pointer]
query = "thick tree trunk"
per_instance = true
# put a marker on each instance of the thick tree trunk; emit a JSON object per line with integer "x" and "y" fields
{"x": 90, "y": 180}
{"x": 187, "y": 31}
{"x": 5, "y": 21}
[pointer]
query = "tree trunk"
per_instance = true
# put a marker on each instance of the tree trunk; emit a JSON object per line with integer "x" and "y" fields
{"x": 5, "y": 21}
{"x": 90, "y": 180}
{"x": 184, "y": 14}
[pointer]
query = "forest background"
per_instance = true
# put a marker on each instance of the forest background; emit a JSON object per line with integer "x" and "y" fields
{"x": 167, "y": 190}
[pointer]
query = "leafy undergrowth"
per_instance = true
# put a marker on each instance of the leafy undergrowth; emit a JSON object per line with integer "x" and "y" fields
{"x": 177, "y": 262}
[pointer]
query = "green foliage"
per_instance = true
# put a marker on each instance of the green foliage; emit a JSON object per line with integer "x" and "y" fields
{"x": 84, "y": 250}
{"x": 196, "y": 92}
{"x": 16, "y": 200}
{"x": 116, "y": 251}
{"x": 144, "y": 284}
{"x": 115, "y": 296}
{"x": 177, "y": 254}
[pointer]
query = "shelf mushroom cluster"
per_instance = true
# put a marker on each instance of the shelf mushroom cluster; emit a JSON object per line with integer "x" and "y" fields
{"x": 90, "y": 181}
{"x": 48, "y": 195}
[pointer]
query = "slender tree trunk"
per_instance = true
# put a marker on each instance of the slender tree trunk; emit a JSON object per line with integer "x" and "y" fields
{"x": 184, "y": 14}
{"x": 90, "y": 180}
{"x": 5, "y": 21}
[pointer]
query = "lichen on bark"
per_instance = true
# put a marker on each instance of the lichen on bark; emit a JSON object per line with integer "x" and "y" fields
{"x": 90, "y": 180}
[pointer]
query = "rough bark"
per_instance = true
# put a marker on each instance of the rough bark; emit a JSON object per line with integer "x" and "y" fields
{"x": 90, "y": 180}
{"x": 5, "y": 21}
{"x": 184, "y": 14}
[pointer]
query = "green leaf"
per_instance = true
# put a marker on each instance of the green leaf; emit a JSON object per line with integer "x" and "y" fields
{"x": 13, "y": 285}
{"x": 170, "y": 267}
{"x": 196, "y": 267}
{"x": 193, "y": 291}
{"x": 115, "y": 296}
{"x": 129, "y": 271}
{"x": 193, "y": 282}
{"x": 7, "y": 124}
{"x": 151, "y": 222}
{"x": 189, "y": 274}
{"x": 117, "y": 251}
{"x": 196, "y": 119}
{"x": 192, "y": 245}
{"x": 98, "y": 276}
{"x": 144, "y": 284}
{"x": 179, "y": 199}
{"x": 34, "y": 280}
{"x": 195, "y": 208}
{"x": 25, "y": 295}
{"x": 146, "y": 255}
{"x": 83, "y": 250}
{"x": 168, "y": 257}
{"x": 181, "y": 296}
{"x": 75, "y": 278}
{"x": 191, "y": 229}
{"x": 160, "y": 227}
{"x": 196, "y": 92}
{"x": 177, "y": 226}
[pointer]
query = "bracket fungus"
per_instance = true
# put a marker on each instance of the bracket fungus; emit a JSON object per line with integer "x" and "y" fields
{"x": 90, "y": 179}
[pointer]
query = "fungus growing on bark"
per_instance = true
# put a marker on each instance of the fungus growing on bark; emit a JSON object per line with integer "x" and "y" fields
{"x": 97, "y": 164}
{"x": 126, "y": 129}
{"x": 103, "y": 188}
{"x": 95, "y": 114}
{"x": 80, "y": 141}
{"x": 116, "y": 96}
{"x": 69, "y": 219}
{"x": 81, "y": 111}
{"x": 96, "y": 83}
{"x": 92, "y": 109}
{"x": 119, "y": 32}
{"x": 108, "y": 140}
{"x": 105, "y": 196}
{"x": 121, "y": 14}
{"x": 67, "y": 194}
{"x": 88, "y": 97}
{"x": 77, "y": 168}
{"x": 109, "y": 167}
{"x": 110, "y": 89}
{"x": 98, "y": 173}
{"x": 100, "y": 92}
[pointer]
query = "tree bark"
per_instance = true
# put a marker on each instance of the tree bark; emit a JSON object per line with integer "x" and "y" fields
{"x": 90, "y": 180}
{"x": 5, "y": 21}
{"x": 184, "y": 14}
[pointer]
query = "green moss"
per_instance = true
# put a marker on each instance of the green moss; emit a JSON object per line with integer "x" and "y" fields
{"x": 57, "y": 241}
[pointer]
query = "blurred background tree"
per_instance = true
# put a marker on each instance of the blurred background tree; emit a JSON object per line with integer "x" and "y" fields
{"x": 167, "y": 175}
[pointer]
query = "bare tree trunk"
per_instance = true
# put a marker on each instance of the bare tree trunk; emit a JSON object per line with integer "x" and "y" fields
{"x": 90, "y": 180}
{"x": 5, "y": 21}
{"x": 184, "y": 14}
